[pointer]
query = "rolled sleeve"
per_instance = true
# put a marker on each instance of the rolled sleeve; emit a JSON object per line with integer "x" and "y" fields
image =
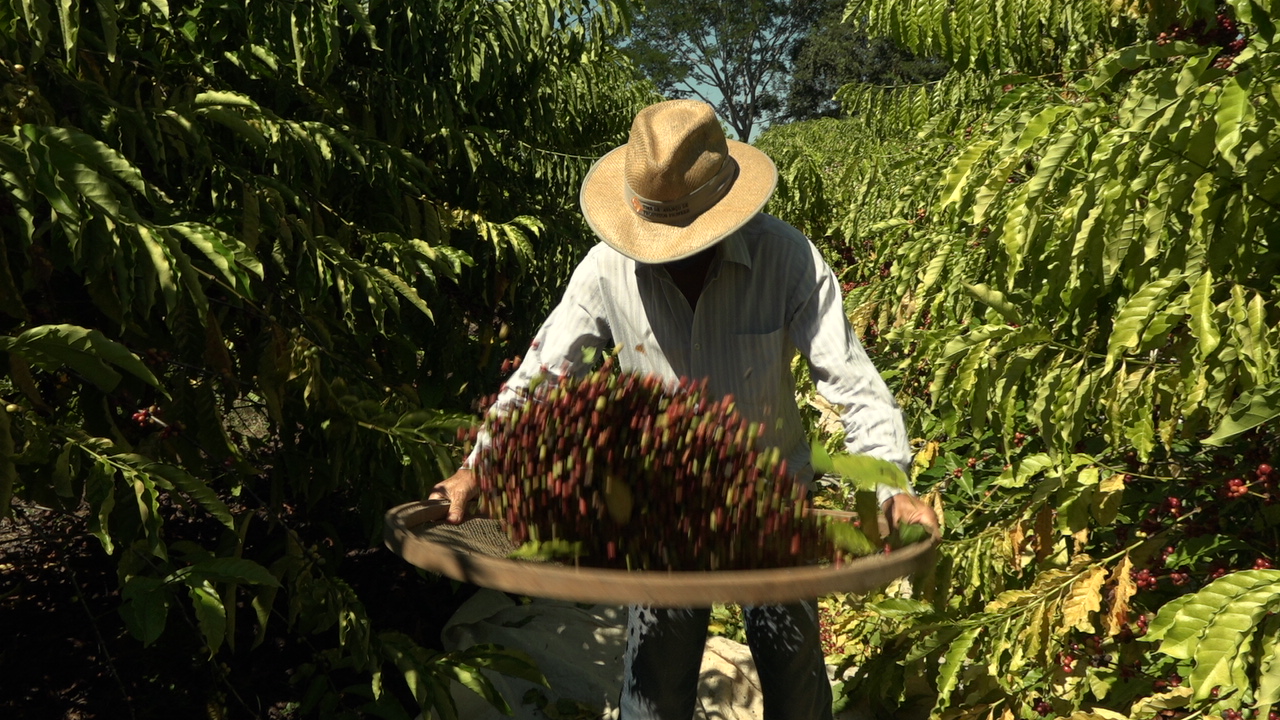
{"x": 559, "y": 348}
{"x": 845, "y": 377}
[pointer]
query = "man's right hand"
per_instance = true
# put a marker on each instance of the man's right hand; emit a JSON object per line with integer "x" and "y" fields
{"x": 458, "y": 489}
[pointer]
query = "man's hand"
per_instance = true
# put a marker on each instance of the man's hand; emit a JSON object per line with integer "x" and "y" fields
{"x": 458, "y": 489}
{"x": 904, "y": 508}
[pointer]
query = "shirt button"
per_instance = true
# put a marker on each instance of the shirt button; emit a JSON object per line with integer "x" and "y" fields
{"x": 697, "y": 346}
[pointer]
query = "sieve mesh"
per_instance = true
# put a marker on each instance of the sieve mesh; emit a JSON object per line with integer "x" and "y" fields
{"x": 478, "y": 536}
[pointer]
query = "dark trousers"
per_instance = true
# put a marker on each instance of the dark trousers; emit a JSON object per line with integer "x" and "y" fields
{"x": 664, "y": 654}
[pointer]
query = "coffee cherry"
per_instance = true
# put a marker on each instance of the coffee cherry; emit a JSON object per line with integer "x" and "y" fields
{"x": 1262, "y": 564}
{"x": 1145, "y": 580}
{"x": 1264, "y": 470}
{"x": 1235, "y": 488}
{"x": 644, "y": 476}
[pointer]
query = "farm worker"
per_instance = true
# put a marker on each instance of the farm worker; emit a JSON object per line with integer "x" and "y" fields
{"x": 691, "y": 279}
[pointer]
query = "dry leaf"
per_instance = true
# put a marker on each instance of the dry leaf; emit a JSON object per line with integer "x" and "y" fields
{"x": 1106, "y": 499}
{"x": 1017, "y": 541}
{"x": 1122, "y": 589}
{"x": 1044, "y": 535}
{"x": 1084, "y": 599}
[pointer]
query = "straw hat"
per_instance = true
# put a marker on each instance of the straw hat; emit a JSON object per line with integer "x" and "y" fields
{"x": 678, "y": 185}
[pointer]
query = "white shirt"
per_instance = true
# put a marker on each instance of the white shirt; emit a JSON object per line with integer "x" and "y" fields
{"x": 767, "y": 294}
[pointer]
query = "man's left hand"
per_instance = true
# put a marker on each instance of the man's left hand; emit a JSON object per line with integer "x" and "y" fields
{"x": 904, "y": 508}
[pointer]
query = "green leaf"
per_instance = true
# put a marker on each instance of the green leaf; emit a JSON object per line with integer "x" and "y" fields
{"x": 1235, "y": 113}
{"x": 900, "y": 607}
{"x": 908, "y": 534}
{"x": 1049, "y": 164}
{"x": 995, "y": 300}
{"x": 236, "y": 123}
{"x": 61, "y": 468}
{"x": 1228, "y": 634}
{"x": 157, "y": 251}
{"x": 477, "y": 683}
{"x": 145, "y": 607}
{"x": 224, "y": 99}
{"x": 1166, "y": 618}
{"x": 1268, "y": 688}
{"x": 934, "y": 269}
{"x": 863, "y": 471}
{"x": 194, "y": 488}
{"x": 225, "y": 252}
{"x": 1038, "y": 126}
{"x": 239, "y": 570}
{"x": 866, "y": 503}
{"x": 99, "y": 493}
{"x": 399, "y": 285}
{"x": 1132, "y": 319}
{"x": 953, "y": 187}
{"x": 952, "y": 662}
{"x": 110, "y": 16}
{"x": 210, "y": 614}
{"x": 69, "y": 18}
{"x": 80, "y": 349}
{"x": 1019, "y": 473}
{"x": 1252, "y": 409}
{"x": 1200, "y": 309}
{"x": 849, "y": 538}
{"x": 513, "y": 663}
{"x": 102, "y": 158}
{"x": 1188, "y": 620}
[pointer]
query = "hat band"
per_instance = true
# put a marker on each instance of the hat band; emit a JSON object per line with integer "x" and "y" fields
{"x": 684, "y": 209}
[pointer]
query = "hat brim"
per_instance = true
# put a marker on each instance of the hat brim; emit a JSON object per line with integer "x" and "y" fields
{"x": 605, "y": 206}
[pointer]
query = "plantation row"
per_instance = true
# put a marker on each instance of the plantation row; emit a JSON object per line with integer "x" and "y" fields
{"x": 1064, "y": 254}
{"x": 258, "y": 259}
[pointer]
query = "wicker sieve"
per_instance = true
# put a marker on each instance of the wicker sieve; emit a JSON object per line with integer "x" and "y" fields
{"x": 476, "y": 552}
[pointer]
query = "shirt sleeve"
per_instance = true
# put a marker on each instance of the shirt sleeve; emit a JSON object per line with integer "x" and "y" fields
{"x": 844, "y": 375}
{"x": 559, "y": 348}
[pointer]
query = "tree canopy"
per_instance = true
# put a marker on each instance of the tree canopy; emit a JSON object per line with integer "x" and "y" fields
{"x": 734, "y": 55}
{"x": 837, "y": 53}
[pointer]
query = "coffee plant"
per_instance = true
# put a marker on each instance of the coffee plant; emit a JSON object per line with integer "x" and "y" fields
{"x": 1064, "y": 257}
{"x": 256, "y": 256}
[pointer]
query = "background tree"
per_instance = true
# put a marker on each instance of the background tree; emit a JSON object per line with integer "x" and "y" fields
{"x": 837, "y": 53}
{"x": 735, "y": 55}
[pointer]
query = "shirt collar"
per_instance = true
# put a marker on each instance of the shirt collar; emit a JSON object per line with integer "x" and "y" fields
{"x": 735, "y": 249}
{"x": 731, "y": 249}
